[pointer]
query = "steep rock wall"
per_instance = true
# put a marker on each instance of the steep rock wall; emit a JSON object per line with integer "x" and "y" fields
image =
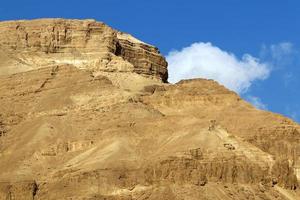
{"x": 88, "y": 44}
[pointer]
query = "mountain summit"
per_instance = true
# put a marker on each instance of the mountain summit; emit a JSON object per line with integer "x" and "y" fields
{"x": 87, "y": 113}
{"x": 86, "y": 44}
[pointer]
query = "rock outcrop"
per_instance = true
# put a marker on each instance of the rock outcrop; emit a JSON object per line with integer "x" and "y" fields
{"x": 86, "y": 44}
{"x": 80, "y": 130}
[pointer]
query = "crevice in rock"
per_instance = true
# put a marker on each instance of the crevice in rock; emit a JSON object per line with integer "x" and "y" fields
{"x": 119, "y": 49}
{"x": 35, "y": 190}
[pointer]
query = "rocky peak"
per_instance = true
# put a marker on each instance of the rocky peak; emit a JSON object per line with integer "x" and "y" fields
{"x": 90, "y": 117}
{"x": 87, "y": 44}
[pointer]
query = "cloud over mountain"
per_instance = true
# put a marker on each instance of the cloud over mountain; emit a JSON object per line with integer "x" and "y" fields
{"x": 203, "y": 60}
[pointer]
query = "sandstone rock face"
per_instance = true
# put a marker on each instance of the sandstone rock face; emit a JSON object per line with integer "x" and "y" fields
{"x": 87, "y": 44}
{"x": 72, "y": 131}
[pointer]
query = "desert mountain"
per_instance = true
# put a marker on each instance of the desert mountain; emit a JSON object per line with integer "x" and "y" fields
{"x": 86, "y": 113}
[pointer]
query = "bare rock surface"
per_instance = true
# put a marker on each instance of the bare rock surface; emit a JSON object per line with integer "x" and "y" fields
{"x": 117, "y": 131}
{"x": 27, "y": 45}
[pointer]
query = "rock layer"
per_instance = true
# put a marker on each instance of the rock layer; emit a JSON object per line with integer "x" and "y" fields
{"x": 71, "y": 131}
{"x": 27, "y": 45}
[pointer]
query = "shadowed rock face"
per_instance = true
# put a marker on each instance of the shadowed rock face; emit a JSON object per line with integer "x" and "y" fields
{"x": 74, "y": 130}
{"x": 87, "y": 44}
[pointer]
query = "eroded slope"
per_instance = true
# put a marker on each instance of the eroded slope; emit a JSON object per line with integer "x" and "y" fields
{"x": 73, "y": 131}
{"x": 72, "y": 134}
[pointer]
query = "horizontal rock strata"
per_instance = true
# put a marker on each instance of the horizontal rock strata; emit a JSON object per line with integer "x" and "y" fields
{"x": 86, "y": 113}
{"x": 87, "y": 44}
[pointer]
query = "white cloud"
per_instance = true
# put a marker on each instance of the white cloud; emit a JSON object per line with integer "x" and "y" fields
{"x": 281, "y": 55}
{"x": 203, "y": 60}
{"x": 284, "y": 58}
{"x": 256, "y": 102}
{"x": 280, "y": 50}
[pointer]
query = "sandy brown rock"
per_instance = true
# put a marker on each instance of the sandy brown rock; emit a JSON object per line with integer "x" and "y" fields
{"x": 27, "y": 45}
{"x": 69, "y": 132}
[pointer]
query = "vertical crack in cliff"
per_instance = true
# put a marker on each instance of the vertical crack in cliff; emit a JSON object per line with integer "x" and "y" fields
{"x": 35, "y": 189}
{"x": 2, "y": 127}
{"x": 119, "y": 50}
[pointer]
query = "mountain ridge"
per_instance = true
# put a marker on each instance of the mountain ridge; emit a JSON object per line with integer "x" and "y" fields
{"x": 92, "y": 131}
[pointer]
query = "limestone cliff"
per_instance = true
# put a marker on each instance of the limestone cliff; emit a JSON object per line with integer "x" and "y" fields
{"x": 86, "y": 44}
{"x": 84, "y": 130}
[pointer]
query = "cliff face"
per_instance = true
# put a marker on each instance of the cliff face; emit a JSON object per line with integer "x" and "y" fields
{"x": 85, "y": 44}
{"x": 74, "y": 130}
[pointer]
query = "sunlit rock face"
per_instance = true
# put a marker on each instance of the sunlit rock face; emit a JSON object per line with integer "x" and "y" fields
{"x": 86, "y": 44}
{"x": 86, "y": 113}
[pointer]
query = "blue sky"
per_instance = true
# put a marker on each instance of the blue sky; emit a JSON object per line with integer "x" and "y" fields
{"x": 259, "y": 38}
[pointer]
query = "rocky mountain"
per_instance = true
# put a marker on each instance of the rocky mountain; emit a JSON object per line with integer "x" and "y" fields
{"x": 87, "y": 44}
{"x": 86, "y": 112}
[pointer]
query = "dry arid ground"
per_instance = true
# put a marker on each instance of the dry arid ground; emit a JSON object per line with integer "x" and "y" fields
{"x": 86, "y": 113}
